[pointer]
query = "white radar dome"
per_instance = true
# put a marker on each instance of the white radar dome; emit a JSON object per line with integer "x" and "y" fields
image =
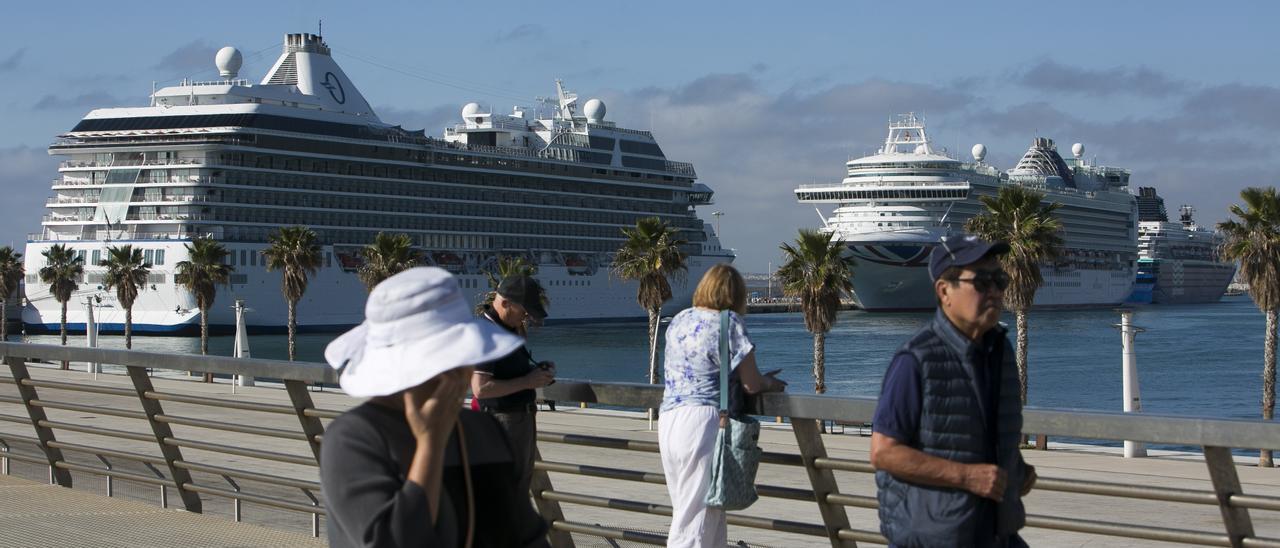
{"x": 469, "y": 112}
{"x": 1077, "y": 149}
{"x": 920, "y": 149}
{"x": 228, "y": 60}
{"x": 594, "y": 109}
{"x": 979, "y": 152}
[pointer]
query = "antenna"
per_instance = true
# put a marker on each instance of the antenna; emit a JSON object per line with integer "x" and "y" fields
{"x": 320, "y": 29}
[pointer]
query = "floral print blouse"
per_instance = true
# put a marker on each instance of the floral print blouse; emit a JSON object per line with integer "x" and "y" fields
{"x": 691, "y": 363}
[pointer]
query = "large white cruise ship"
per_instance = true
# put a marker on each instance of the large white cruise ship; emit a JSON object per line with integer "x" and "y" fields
{"x": 895, "y": 205}
{"x": 235, "y": 160}
{"x": 1178, "y": 263}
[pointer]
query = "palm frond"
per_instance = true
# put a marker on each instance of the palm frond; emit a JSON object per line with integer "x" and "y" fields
{"x": 1020, "y": 217}
{"x": 388, "y": 255}
{"x": 295, "y": 252}
{"x": 651, "y": 255}
{"x": 816, "y": 270}
{"x": 1254, "y": 242}
{"x": 126, "y": 273}
{"x": 62, "y": 271}
{"x": 204, "y": 270}
{"x": 11, "y": 272}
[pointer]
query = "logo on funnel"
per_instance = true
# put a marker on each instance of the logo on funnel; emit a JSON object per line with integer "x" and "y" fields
{"x": 334, "y": 86}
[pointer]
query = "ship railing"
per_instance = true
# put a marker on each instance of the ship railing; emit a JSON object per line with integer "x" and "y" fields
{"x": 882, "y": 184}
{"x": 187, "y": 440}
{"x": 640, "y": 132}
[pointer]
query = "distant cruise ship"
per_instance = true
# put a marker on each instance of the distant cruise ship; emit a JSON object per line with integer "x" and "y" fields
{"x": 895, "y": 205}
{"x": 1178, "y": 263}
{"x": 234, "y": 160}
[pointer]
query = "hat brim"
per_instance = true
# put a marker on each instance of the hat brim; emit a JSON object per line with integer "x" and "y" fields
{"x": 368, "y": 371}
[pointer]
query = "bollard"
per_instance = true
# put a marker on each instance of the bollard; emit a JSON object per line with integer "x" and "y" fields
{"x": 1129, "y": 363}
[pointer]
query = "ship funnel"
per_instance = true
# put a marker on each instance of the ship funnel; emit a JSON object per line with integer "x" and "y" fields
{"x": 306, "y": 63}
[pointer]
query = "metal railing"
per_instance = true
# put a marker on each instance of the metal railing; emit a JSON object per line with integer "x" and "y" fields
{"x": 172, "y": 463}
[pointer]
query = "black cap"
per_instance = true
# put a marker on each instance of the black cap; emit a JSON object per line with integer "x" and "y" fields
{"x": 526, "y": 292}
{"x": 961, "y": 250}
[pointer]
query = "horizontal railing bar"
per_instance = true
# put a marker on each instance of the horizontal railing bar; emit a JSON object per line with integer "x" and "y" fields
{"x": 1255, "y": 501}
{"x": 232, "y": 450}
{"x": 1128, "y": 530}
{"x": 10, "y": 399}
{"x": 276, "y": 369}
{"x": 232, "y": 427}
{"x": 856, "y": 501}
{"x": 23, "y": 457}
{"x": 641, "y": 537}
{"x": 263, "y": 478}
{"x": 21, "y": 438}
{"x": 98, "y": 431}
{"x": 17, "y": 419}
{"x": 321, "y": 413}
{"x": 115, "y": 474}
{"x": 80, "y": 387}
{"x": 599, "y": 472}
{"x": 216, "y": 402}
{"x": 1128, "y": 491}
{"x": 780, "y": 492}
{"x": 784, "y": 526}
{"x": 844, "y": 465}
{"x": 137, "y": 457}
{"x": 860, "y": 535}
{"x": 257, "y": 499}
{"x": 1260, "y": 542}
{"x": 108, "y": 411}
{"x": 598, "y": 441}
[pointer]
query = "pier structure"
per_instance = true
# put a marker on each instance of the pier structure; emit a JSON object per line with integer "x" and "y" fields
{"x": 167, "y": 449}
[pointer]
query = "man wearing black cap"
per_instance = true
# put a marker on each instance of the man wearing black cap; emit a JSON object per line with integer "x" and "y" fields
{"x": 506, "y": 387}
{"x": 948, "y": 424}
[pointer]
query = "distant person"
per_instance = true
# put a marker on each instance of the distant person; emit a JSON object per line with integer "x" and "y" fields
{"x": 690, "y": 412}
{"x": 946, "y": 430}
{"x": 506, "y": 387}
{"x": 410, "y": 467}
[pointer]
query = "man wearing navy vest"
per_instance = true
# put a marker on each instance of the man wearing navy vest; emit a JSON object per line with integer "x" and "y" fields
{"x": 948, "y": 424}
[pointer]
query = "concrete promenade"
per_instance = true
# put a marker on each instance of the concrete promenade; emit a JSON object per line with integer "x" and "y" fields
{"x": 110, "y": 519}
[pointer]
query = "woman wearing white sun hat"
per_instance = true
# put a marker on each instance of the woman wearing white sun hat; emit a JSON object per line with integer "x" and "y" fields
{"x": 410, "y": 467}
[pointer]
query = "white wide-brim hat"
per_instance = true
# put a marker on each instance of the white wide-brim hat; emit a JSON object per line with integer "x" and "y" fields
{"x": 417, "y": 325}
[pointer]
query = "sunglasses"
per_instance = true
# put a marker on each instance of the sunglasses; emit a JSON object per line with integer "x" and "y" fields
{"x": 985, "y": 281}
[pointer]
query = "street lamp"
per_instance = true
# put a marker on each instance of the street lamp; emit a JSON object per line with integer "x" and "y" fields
{"x": 717, "y": 215}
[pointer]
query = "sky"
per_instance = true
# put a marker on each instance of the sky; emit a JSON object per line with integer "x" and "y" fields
{"x": 760, "y": 96}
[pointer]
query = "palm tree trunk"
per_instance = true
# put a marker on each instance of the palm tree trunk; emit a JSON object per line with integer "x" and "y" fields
{"x": 204, "y": 338}
{"x": 820, "y": 363}
{"x": 1021, "y": 354}
{"x": 1268, "y": 382}
{"x": 128, "y": 328}
{"x": 4, "y": 320}
{"x": 62, "y": 324}
{"x": 653, "y": 353}
{"x": 293, "y": 327}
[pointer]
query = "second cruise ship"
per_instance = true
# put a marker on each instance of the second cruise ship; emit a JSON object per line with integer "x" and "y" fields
{"x": 894, "y": 206}
{"x": 234, "y": 161}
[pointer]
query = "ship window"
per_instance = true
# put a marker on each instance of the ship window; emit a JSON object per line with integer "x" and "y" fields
{"x": 148, "y": 255}
{"x": 159, "y": 257}
{"x": 253, "y": 259}
{"x": 97, "y": 257}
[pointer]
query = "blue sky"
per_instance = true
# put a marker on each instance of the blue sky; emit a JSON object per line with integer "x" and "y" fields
{"x": 759, "y": 97}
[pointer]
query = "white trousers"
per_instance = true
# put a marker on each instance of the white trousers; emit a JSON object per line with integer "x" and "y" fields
{"x": 686, "y": 440}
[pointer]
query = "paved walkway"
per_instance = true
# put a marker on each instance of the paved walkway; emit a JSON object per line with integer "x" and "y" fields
{"x": 35, "y": 515}
{"x": 112, "y": 518}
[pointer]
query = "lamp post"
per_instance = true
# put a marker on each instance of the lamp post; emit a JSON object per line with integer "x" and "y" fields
{"x": 717, "y": 215}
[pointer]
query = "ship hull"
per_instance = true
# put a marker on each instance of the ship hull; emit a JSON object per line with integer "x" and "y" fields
{"x": 1190, "y": 281}
{"x": 334, "y": 300}
{"x": 895, "y": 277}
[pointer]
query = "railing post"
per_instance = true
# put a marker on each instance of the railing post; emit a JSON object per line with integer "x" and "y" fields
{"x": 1222, "y": 470}
{"x": 171, "y": 453}
{"x": 834, "y": 517}
{"x": 18, "y": 366}
{"x": 549, "y": 509}
{"x": 311, "y": 426}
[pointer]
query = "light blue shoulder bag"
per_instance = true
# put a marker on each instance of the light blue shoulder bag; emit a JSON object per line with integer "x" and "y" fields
{"x": 737, "y": 456}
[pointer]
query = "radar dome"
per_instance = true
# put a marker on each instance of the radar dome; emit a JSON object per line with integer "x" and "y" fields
{"x": 469, "y": 112}
{"x": 979, "y": 152}
{"x": 1077, "y": 149}
{"x": 920, "y": 149}
{"x": 594, "y": 109}
{"x": 228, "y": 60}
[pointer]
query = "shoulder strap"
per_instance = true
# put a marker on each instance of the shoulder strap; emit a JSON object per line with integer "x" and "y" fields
{"x": 724, "y": 360}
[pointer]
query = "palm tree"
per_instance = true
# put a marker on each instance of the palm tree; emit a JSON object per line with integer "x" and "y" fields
{"x": 126, "y": 272}
{"x": 11, "y": 272}
{"x": 388, "y": 255}
{"x": 62, "y": 271}
{"x": 817, "y": 271}
{"x": 1254, "y": 242}
{"x": 295, "y": 253}
{"x": 650, "y": 256}
{"x": 205, "y": 270}
{"x": 1019, "y": 216}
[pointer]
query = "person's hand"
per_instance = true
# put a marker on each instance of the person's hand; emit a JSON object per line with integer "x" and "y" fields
{"x": 985, "y": 480}
{"x": 539, "y": 378}
{"x": 1029, "y": 481}
{"x": 432, "y": 407}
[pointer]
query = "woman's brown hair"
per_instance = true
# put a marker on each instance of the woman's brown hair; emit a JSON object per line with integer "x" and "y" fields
{"x": 721, "y": 288}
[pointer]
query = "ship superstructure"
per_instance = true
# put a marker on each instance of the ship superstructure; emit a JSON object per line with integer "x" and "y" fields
{"x": 234, "y": 160}
{"x": 1178, "y": 262}
{"x": 894, "y": 206}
